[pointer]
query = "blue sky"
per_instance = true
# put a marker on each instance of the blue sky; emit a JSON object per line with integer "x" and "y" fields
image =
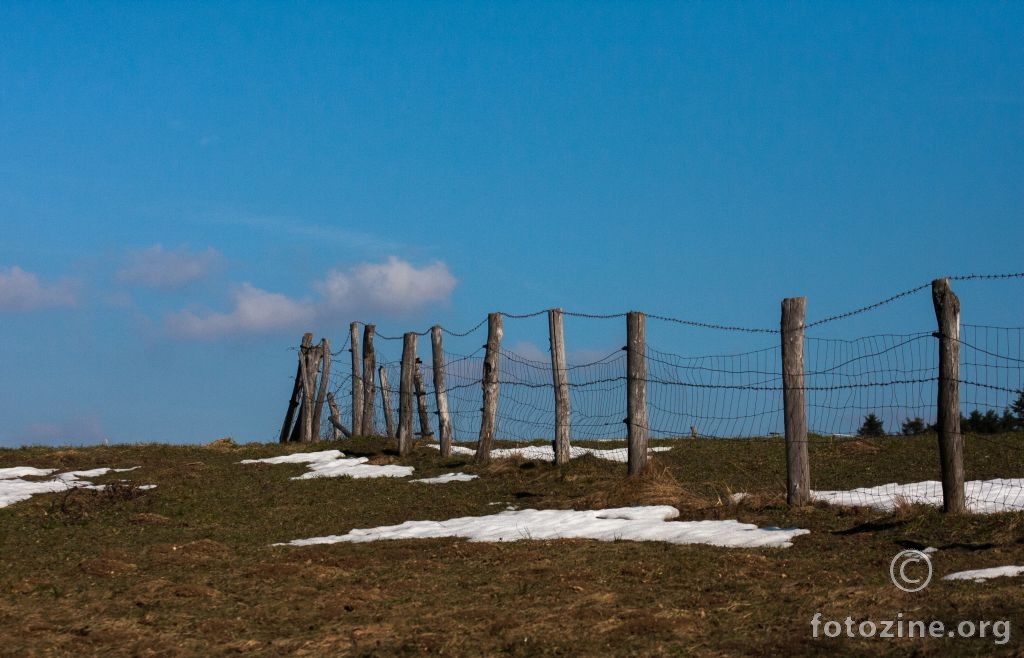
{"x": 185, "y": 188}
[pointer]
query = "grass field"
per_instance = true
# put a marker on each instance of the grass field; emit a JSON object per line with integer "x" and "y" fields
{"x": 187, "y": 568}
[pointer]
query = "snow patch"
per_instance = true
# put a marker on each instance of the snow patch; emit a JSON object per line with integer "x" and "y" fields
{"x": 981, "y": 575}
{"x": 650, "y": 523}
{"x": 547, "y": 453}
{"x": 983, "y": 496}
{"x": 333, "y": 463}
{"x": 14, "y": 489}
{"x": 447, "y": 477}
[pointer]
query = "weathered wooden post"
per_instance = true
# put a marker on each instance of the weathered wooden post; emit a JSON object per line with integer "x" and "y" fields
{"x": 794, "y": 401}
{"x": 444, "y": 421}
{"x": 296, "y": 398}
{"x": 385, "y": 401}
{"x": 325, "y": 371}
{"x": 308, "y": 365}
{"x": 637, "y": 432}
{"x": 405, "y": 392}
{"x": 339, "y": 429}
{"x": 951, "y": 441}
{"x": 489, "y": 383}
{"x": 357, "y": 380}
{"x": 369, "y": 366}
{"x": 560, "y": 380}
{"x": 421, "y": 400}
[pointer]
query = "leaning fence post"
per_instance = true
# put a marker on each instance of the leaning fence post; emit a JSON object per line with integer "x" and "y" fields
{"x": 489, "y": 382}
{"x": 444, "y": 421}
{"x": 561, "y": 385}
{"x": 385, "y": 399}
{"x": 405, "y": 392}
{"x": 369, "y": 365}
{"x": 357, "y": 380}
{"x": 951, "y": 441}
{"x": 295, "y": 399}
{"x": 637, "y": 432}
{"x": 794, "y": 401}
{"x": 339, "y": 429}
{"x": 325, "y": 372}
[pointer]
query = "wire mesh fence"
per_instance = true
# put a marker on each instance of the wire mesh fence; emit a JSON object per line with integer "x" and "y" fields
{"x": 869, "y": 399}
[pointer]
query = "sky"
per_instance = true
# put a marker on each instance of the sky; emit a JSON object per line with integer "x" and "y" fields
{"x": 187, "y": 187}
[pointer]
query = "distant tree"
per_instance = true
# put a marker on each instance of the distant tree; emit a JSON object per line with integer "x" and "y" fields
{"x": 1018, "y": 410}
{"x": 989, "y": 422}
{"x": 872, "y": 426}
{"x": 913, "y": 426}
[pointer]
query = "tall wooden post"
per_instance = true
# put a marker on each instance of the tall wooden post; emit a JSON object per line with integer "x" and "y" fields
{"x": 357, "y": 380}
{"x": 560, "y": 380}
{"x": 794, "y": 401}
{"x": 308, "y": 365}
{"x": 444, "y": 421}
{"x": 421, "y": 400}
{"x": 325, "y": 371}
{"x": 489, "y": 413}
{"x": 385, "y": 401}
{"x": 369, "y": 367}
{"x": 637, "y": 432}
{"x": 405, "y": 392}
{"x": 951, "y": 441}
{"x": 296, "y": 398}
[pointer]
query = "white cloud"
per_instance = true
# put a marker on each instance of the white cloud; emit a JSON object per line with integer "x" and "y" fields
{"x": 394, "y": 286}
{"x": 156, "y": 267}
{"x": 22, "y": 291}
{"x": 254, "y": 311}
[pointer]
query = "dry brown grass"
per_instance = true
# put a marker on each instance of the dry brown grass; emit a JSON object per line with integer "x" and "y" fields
{"x": 188, "y": 568}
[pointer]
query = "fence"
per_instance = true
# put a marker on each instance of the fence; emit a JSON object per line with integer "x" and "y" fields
{"x": 473, "y": 387}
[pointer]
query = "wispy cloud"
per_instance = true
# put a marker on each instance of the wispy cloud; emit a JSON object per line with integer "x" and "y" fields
{"x": 156, "y": 267}
{"x": 357, "y": 240}
{"x": 74, "y": 430}
{"x": 392, "y": 287}
{"x": 23, "y": 291}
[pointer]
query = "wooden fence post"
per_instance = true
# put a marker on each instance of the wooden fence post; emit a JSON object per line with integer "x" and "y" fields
{"x": 444, "y": 421}
{"x": 951, "y": 441}
{"x": 421, "y": 400}
{"x": 405, "y": 392}
{"x": 489, "y": 382}
{"x": 296, "y": 398}
{"x": 369, "y": 366}
{"x": 560, "y": 380}
{"x": 385, "y": 400}
{"x": 637, "y": 432}
{"x": 309, "y": 364}
{"x": 794, "y": 401}
{"x": 357, "y": 383}
{"x": 325, "y": 371}
{"x": 339, "y": 429}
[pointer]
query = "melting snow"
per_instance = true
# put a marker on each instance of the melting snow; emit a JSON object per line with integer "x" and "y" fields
{"x": 13, "y": 488}
{"x": 447, "y": 477}
{"x": 547, "y": 453}
{"x": 979, "y": 575}
{"x": 983, "y": 496}
{"x": 652, "y": 523}
{"x": 333, "y": 463}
